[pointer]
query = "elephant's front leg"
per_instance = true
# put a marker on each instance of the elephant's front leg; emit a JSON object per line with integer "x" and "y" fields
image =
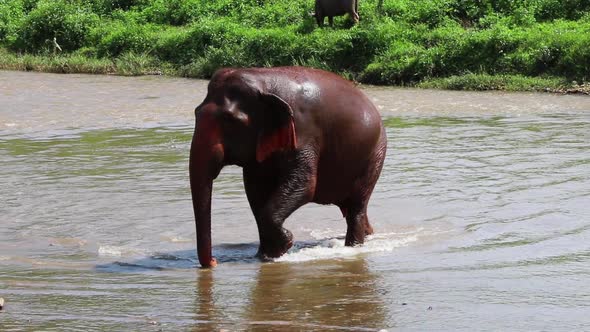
{"x": 275, "y": 190}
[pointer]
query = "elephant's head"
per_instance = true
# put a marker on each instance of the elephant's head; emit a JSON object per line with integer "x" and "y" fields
{"x": 240, "y": 122}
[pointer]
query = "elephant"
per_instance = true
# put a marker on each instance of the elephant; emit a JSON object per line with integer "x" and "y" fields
{"x": 331, "y": 8}
{"x": 300, "y": 135}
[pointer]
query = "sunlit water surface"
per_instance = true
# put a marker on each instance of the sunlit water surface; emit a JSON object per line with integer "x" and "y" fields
{"x": 482, "y": 218}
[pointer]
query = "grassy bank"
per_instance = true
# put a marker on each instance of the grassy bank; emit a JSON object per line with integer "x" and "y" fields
{"x": 460, "y": 44}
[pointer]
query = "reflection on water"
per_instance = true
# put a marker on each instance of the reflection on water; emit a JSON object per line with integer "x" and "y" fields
{"x": 481, "y": 216}
{"x": 207, "y": 313}
{"x": 336, "y": 295}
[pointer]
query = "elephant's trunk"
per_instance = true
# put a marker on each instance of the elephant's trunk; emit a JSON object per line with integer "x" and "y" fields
{"x": 206, "y": 161}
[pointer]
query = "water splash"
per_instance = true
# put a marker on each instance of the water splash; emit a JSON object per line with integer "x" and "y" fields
{"x": 334, "y": 247}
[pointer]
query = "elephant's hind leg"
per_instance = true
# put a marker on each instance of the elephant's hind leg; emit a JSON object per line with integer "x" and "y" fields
{"x": 319, "y": 17}
{"x": 357, "y": 222}
{"x": 274, "y": 193}
{"x": 365, "y": 221}
{"x": 368, "y": 228}
{"x": 355, "y": 207}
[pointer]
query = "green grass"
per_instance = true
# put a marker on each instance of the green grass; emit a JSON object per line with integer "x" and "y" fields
{"x": 55, "y": 64}
{"x": 128, "y": 64}
{"x": 480, "y": 82}
{"x": 453, "y": 44}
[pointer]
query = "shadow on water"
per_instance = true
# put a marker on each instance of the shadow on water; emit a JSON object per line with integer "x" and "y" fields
{"x": 286, "y": 296}
{"x": 182, "y": 259}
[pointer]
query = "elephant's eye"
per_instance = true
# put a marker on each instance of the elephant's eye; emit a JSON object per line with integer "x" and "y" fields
{"x": 233, "y": 114}
{"x": 242, "y": 117}
{"x": 227, "y": 116}
{"x": 233, "y": 117}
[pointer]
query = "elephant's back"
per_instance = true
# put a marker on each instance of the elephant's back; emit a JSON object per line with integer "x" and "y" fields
{"x": 334, "y": 7}
{"x": 351, "y": 119}
{"x": 351, "y": 142}
{"x": 325, "y": 103}
{"x": 352, "y": 128}
{"x": 352, "y": 151}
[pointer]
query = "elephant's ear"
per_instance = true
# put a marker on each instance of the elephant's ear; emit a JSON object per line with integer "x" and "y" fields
{"x": 278, "y": 127}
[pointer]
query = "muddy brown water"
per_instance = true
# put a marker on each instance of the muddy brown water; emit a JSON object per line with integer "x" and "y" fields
{"x": 482, "y": 218}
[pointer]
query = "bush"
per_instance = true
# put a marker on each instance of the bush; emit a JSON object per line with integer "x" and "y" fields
{"x": 120, "y": 38}
{"x": 278, "y": 14}
{"x": 406, "y": 42}
{"x": 562, "y": 9}
{"x": 174, "y": 12}
{"x": 403, "y": 63}
{"x": 11, "y": 14}
{"x": 59, "y": 19}
{"x": 105, "y": 7}
{"x": 431, "y": 12}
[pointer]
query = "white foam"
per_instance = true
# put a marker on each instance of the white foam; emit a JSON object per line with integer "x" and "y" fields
{"x": 115, "y": 251}
{"x": 176, "y": 239}
{"x": 323, "y": 233}
{"x": 334, "y": 248}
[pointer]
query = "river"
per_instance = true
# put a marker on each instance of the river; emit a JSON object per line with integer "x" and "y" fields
{"x": 481, "y": 217}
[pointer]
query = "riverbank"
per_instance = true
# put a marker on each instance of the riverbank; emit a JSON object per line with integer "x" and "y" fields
{"x": 452, "y": 44}
{"x": 137, "y": 65}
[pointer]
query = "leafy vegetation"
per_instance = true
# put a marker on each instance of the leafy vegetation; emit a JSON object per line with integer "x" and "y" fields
{"x": 476, "y": 44}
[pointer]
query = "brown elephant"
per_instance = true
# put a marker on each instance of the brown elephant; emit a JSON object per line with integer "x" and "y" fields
{"x": 331, "y": 8}
{"x": 301, "y": 135}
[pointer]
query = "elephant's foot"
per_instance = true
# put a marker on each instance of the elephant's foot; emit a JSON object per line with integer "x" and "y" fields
{"x": 358, "y": 229}
{"x": 274, "y": 244}
{"x": 369, "y": 229}
{"x": 355, "y": 237}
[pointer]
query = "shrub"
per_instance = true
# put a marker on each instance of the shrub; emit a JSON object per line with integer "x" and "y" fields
{"x": 562, "y": 9}
{"x": 11, "y": 14}
{"x": 405, "y": 43}
{"x": 68, "y": 23}
{"x": 120, "y": 38}
{"x": 403, "y": 63}
{"x": 278, "y": 14}
{"x": 184, "y": 46}
{"x": 174, "y": 12}
{"x": 105, "y": 7}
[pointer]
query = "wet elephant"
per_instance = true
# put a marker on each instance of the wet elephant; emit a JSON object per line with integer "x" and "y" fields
{"x": 301, "y": 135}
{"x": 331, "y": 8}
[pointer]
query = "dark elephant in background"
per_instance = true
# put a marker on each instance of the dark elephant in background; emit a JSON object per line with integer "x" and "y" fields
{"x": 301, "y": 135}
{"x": 331, "y": 8}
